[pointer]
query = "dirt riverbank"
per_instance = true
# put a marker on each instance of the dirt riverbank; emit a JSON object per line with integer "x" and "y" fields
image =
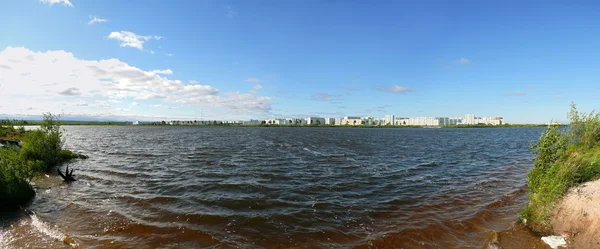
{"x": 577, "y": 216}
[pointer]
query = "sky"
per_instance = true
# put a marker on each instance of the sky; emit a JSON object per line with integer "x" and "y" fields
{"x": 237, "y": 60}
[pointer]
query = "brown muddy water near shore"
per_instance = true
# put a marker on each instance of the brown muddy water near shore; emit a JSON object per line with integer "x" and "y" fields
{"x": 211, "y": 187}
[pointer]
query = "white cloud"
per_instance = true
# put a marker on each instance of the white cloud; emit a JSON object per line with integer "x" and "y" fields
{"x": 255, "y": 88}
{"x": 395, "y": 89}
{"x": 165, "y": 72}
{"x": 130, "y": 39}
{"x": 101, "y": 104}
{"x": 73, "y": 91}
{"x": 56, "y": 74}
{"x": 231, "y": 13}
{"x": 52, "y": 2}
{"x": 152, "y": 51}
{"x": 463, "y": 61}
{"x": 94, "y": 20}
{"x": 253, "y": 80}
{"x": 169, "y": 54}
{"x": 81, "y": 103}
{"x": 163, "y": 107}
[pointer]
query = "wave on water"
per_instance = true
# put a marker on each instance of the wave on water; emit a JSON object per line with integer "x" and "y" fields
{"x": 171, "y": 187}
{"x": 6, "y": 239}
{"x": 429, "y": 164}
{"x": 51, "y": 231}
{"x": 312, "y": 151}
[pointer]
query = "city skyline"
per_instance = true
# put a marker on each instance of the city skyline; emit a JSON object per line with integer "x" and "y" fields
{"x": 236, "y": 60}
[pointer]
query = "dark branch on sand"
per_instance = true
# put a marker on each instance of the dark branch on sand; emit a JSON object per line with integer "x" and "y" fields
{"x": 68, "y": 176}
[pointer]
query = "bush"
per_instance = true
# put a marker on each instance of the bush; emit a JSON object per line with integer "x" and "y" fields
{"x": 563, "y": 159}
{"x": 14, "y": 172}
{"x": 66, "y": 155}
{"x": 42, "y": 150}
{"x": 45, "y": 144}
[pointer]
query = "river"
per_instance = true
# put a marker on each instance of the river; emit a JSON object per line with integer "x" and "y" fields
{"x": 226, "y": 187}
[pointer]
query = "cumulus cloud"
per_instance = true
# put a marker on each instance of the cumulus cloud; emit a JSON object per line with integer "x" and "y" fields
{"x": 255, "y": 88}
{"x": 463, "y": 61}
{"x": 73, "y": 91}
{"x": 395, "y": 89}
{"x": 230, "y": 12}
{"x": 94, "y": 20}
{"x": 81, "y": 103}
{"x": 52, "y": 2}
{"x": 130, "y": 39}
{"x": 104, "y": 83}
{"x": 163, "y": 106}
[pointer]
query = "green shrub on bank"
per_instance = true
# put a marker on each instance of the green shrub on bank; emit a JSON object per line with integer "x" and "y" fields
{"x": 564, "y": 158}
{"x": 14, "y": 173}
{"x": 45, "y": 144}
{"x": 41, "y": 151}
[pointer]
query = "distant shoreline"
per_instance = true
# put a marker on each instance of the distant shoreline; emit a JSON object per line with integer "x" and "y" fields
{"x": 76, "y": 123}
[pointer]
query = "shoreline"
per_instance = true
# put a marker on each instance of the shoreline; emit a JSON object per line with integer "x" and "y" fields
{"x": 564, "y": 190}
{"x": 310, "y": 126}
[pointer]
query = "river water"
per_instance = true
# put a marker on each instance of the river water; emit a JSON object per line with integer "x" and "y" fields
{"x": 199, "y": 187}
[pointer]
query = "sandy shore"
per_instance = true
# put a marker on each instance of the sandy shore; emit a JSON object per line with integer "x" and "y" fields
{"x": 577, "y": 216}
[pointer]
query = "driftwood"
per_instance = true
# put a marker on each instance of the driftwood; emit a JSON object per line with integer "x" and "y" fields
{"x": 68, "y": 176}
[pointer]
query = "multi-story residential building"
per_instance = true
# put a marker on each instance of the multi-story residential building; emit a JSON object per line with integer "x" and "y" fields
{"x": 369, "y": 120}
{"x": 489, "y": 120}
{"x": 469, "y": 119}
{"x": 252, "y": 122}
{"x": 389, "y": 120}
{"x": 352, "y": 120}
{"x": 330, "y": 121}
{"x": 338, "y": 121}
{"x": 400, "y": 121}
{"x": 315, "y": 121}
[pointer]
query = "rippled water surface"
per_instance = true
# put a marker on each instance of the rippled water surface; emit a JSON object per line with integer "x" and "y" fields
{"x": 193, "y": 187}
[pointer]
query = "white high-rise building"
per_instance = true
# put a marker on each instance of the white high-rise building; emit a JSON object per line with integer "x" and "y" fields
{"x": 469, "y": 119}
{"x": 330, "y": 121}
{"x": 389, "y": 119}
{"x": 352, "y": 121}
{"x": 315, "y": 121}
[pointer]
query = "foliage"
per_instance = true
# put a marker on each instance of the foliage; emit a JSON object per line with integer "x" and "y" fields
{"x": 564, "y": 158}
{"x": 44, "y": 144}
{"x": 41, "y": 150}
{"x": 14, "y": 189}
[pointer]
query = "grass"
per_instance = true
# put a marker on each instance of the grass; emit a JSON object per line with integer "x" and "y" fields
{"x": 41, "y": 151}
{"x": 564, "y": 158}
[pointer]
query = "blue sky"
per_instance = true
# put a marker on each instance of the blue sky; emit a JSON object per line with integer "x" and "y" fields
{"x": 261, "y": 59}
